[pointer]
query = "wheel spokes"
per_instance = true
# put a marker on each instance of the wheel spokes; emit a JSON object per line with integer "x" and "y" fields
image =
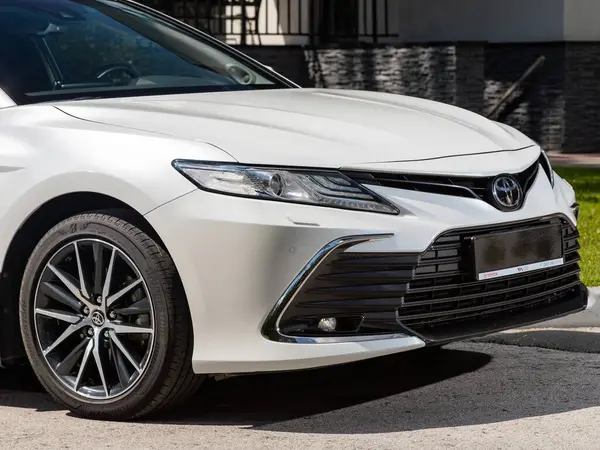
{"x": 68, "y": 281}
{"x": 86, "y": 357}
{"x": 68, "y": 363}
{"x": 131, "y": 329}
{"x": 140, "y": 307}
{"x": 106, "y": 288}
{"x": 113, "y": 298}
{"x": 65, "y": 334}
{"x": 99, "y": 366}
{"x": 82, "y": 283}
{"x": 59, "y": 315}
{"x": 124, "y": 351}
{"x": 122, "y": 372}
{"x": 98, "y": 263}
{"x": 60, "y": 295}
{"x": 72, "y": 302}
{"x": 70, "y": 284}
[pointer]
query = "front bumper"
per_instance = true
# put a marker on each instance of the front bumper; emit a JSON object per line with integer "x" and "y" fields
{"x": 241, "y": 262}
{"x": 433, "y": 295}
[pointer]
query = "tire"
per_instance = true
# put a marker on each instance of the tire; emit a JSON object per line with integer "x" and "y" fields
{"x": 153, "y": 372}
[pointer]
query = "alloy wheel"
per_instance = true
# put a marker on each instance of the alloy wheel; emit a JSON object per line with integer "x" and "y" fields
{"x": 94, "y": 319}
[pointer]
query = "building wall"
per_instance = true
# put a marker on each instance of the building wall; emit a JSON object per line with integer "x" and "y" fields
{"x": 538, "y": 108}
{"x": 497, "y": 21}
{"x": 582, "y": 20}
{"x": 582, "y": 98}
{"x": 480, "y": 20}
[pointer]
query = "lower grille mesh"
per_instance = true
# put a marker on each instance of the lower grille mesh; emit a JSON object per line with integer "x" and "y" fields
{"x": 442, "y": 295}
{"x": 433, "y": 295}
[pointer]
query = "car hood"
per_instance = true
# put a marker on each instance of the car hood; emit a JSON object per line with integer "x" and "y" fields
{"x": 310, "y": 127}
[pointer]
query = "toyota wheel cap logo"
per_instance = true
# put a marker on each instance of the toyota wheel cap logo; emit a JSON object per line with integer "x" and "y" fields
{"x": 507, "y": 193}
{"x": 97, "y": 318}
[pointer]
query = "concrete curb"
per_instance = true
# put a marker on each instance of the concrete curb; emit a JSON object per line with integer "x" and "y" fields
{"x": 578, "y": 333}
{"x": 589, "y": 318}
{"x": 575, "y": 160}
{"x": 577, "y": 340}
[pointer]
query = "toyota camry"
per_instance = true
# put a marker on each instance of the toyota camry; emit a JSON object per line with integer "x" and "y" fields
{"x": 174, "y": 210}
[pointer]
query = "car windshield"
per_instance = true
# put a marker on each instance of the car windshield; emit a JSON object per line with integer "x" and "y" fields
{"x": 71, "y": 49}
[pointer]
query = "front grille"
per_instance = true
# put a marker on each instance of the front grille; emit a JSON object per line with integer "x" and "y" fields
{"x": 444, "y": 292}
{"x": 469, "y": 187}
{"x": 433, "y": 295}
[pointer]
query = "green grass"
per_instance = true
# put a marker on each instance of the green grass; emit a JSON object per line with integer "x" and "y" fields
{"x": 586, "y": 183}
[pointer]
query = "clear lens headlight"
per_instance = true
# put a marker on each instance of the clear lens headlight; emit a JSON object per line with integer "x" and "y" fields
{"x": 312, "y": 187}
{"x": 547, "y": 167}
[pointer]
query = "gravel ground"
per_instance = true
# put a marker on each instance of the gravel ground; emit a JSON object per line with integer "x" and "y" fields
{"x": 467, "y": 396}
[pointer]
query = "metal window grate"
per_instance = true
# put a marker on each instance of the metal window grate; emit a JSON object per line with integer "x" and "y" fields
{"x": 325, "y": 21}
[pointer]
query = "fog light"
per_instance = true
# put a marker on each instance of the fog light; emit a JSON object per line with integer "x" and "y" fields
{"x": 328, "y": 324}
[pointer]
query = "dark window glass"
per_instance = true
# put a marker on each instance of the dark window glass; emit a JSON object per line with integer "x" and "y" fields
{"x": 55, "y": 49}
{"x": 340, "y": 19}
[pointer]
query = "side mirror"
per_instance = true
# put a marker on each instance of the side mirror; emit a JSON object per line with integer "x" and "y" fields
{"x": 240, "y": 75}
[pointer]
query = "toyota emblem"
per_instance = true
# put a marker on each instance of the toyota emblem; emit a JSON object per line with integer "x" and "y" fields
{"x": 97, "y": 318}
{"x": 507, "y": 193}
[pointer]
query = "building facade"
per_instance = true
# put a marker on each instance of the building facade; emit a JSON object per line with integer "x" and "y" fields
{"x": 463, "y": 52}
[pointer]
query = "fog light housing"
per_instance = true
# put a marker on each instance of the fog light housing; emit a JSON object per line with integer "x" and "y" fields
{"x": 575, "y": 210}
{"x": 328, "y": 324}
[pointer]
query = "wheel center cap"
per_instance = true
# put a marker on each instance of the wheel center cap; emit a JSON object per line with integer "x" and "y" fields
{"x": 97, "y": 318}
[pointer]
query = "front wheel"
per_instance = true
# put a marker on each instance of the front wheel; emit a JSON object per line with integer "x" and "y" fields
{"x": 104, "y": 320}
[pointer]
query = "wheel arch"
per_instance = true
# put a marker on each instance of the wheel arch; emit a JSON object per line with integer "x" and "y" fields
{"x": 24, "y": 241}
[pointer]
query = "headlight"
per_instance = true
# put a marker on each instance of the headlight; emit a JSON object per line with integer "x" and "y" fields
{"x": 545, "y": 161}
{"x": 311, "y": 187}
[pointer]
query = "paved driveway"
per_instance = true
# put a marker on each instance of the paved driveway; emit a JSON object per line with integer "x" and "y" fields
{"x": 470, "y": 395}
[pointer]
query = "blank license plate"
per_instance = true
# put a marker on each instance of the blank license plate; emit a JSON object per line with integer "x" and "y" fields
{"x": 504, "y": 254}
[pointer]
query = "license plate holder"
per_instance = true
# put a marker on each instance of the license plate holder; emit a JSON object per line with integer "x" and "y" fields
{"x": 507, "y": 253}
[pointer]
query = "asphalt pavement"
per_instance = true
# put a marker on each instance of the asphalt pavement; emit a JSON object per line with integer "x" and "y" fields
{"x": 473, "y": 395}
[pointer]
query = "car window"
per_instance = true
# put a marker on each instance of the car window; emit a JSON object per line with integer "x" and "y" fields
{"x": 82, "y": 50}
{"x": 55, "y": 49}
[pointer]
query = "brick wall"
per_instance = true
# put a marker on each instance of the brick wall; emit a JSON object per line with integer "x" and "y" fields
{"x": 558, "y": 107}
{"x": 420, "y": 71}
{"x": 582, "y": 98}
{"x": 537, "y": 109}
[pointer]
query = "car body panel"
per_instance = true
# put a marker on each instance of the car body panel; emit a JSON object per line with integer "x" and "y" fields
{"x": 124, "y": 149}
{"x": 479, "y": 165}
{"x": 310, "y": 127}
{"x": 5, "y": 100}
{"x": 45, "y": 153}
{"x": 129, "y": 158}
{"x": 244, "y": 237}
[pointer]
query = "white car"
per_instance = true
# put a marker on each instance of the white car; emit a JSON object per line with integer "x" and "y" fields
{"x": 173, "y": 210}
